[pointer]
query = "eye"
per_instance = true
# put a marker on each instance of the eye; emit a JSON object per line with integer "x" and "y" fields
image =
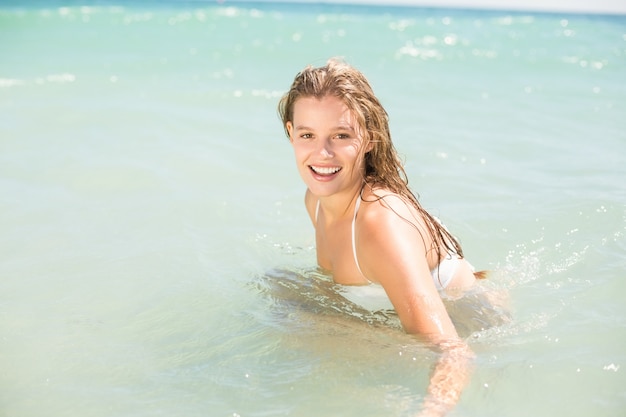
{"x": 306, "y": 136}
{"x": 342, "y": 136}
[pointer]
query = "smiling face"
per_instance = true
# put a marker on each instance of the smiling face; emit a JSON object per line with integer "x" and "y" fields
{"x": 327, "y": 145}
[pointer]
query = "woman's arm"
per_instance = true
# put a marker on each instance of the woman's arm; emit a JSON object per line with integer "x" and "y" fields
{"x": 393, "y": 252}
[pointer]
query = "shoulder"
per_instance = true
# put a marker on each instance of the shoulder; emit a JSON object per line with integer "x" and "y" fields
{"x": 388, "y": 226}
{"x": 388, "y": 212}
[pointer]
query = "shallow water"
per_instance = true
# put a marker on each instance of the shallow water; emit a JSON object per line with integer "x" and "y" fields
{"x": 155, "y": 255}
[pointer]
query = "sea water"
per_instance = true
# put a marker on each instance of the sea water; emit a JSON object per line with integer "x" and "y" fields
{"x": 155, "y": 255}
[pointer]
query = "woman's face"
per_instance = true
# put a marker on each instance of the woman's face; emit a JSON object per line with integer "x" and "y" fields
{"x": 326, "y": 140}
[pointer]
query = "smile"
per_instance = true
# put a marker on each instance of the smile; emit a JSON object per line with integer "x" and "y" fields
{"x": 325, "y": 170}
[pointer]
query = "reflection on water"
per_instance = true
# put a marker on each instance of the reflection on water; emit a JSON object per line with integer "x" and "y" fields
{"x": 310, "y": 292}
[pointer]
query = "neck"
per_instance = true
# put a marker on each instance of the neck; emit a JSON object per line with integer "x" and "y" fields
{"x": 339, "y": 206}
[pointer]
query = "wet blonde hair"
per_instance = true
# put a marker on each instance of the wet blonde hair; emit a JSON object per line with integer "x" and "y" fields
{"x": 383, "y": 166}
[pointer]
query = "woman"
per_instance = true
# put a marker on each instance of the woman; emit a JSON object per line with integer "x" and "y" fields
{"x": 371, "y": 231}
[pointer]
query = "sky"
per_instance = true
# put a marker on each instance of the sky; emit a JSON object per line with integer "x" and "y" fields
{"x": 574, "y": 6}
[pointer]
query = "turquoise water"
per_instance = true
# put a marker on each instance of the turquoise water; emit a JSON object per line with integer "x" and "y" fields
{"x": 155, "y": 255}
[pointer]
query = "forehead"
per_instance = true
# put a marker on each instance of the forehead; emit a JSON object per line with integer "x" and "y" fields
{"x": 327, "y": 108}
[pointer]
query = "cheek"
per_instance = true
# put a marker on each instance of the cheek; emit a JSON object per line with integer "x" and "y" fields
{"x": 358, "y": 153}
{"x": 354, "y": 157}
{"x": 298, "y": 151}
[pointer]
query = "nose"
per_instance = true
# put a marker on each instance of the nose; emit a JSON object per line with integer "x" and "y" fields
{"x": 325, "y": 148}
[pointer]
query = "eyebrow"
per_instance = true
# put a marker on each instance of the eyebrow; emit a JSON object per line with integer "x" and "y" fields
{"x": 338, "y": 127}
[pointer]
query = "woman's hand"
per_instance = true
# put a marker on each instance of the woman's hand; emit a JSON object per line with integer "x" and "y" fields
{"x": 450, "y": 375}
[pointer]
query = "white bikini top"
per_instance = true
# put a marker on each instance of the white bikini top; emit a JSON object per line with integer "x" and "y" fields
{"x": 442, "y": 274}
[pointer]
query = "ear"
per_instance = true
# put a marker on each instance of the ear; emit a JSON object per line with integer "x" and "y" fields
{"x": 369, "y": 146}
{"x": 289, "y": 127}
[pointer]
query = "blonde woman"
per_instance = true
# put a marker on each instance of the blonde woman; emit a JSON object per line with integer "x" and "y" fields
{"x": 371, "y": 232}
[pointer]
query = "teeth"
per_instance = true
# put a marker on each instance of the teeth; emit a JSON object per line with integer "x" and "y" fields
{"x": 325, "y": 170}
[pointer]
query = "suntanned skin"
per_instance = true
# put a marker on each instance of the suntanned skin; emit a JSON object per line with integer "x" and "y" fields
{"x": 392, "y": 251}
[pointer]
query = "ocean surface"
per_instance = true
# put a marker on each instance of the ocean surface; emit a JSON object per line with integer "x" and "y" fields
{"x": 155, "y": 255}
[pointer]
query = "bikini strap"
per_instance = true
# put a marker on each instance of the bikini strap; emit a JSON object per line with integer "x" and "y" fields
{"x": 356, "y": 260}
{"x": 317, "y": 210}
{"x": 356, "y": 209}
